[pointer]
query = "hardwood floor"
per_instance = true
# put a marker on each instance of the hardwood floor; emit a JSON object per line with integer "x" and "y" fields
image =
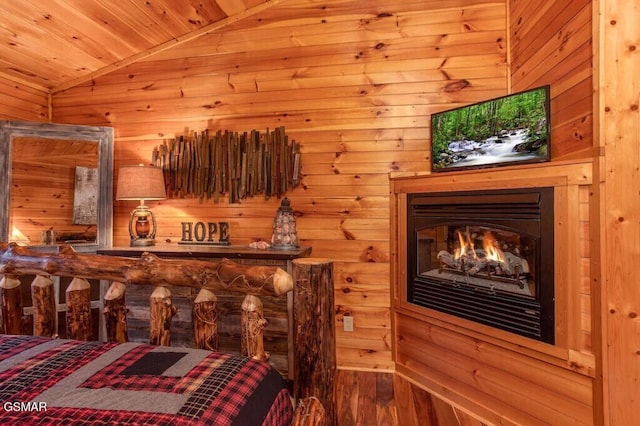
{"x": 365, "y": 398}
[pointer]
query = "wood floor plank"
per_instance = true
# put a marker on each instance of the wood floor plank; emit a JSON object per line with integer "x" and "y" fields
{"x": 366, "y": 398}
{"x": 347, "y": 396}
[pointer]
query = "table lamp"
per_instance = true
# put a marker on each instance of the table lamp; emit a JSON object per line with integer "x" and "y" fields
{"x": 142, "y": 183}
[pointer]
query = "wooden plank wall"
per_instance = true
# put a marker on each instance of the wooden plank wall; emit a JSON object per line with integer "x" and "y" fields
{"x": 620, "y": 134}
{"x": 21, "y": 102}
{"x": 551, "y": 44}
{"x": 354, "y": 82}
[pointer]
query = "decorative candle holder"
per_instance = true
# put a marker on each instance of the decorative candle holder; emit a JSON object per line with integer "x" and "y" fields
{"x": 285, "y": 234}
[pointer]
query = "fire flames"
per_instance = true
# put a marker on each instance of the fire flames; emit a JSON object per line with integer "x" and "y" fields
{"x": 489, "y": 247}
{"x": 488, "y": 262}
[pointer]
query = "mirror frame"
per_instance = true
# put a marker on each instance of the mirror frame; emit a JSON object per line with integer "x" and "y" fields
{"x": 9, "y": 130}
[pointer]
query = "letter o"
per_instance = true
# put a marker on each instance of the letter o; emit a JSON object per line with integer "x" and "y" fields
{"x": 200, "y": 231}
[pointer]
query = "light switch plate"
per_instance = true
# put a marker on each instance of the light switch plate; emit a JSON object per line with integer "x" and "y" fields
{"x": 347, "y": 322}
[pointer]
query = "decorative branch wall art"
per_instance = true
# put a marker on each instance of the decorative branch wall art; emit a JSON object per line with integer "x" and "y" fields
{"x": 207, "y": 165}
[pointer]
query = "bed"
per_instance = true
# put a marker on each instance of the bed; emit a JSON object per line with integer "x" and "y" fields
{"x": 45, "y": 379}
{"x": 55, "y": 381}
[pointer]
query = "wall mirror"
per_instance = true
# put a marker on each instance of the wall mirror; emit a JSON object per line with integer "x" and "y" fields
{"x": 57, "y": 184}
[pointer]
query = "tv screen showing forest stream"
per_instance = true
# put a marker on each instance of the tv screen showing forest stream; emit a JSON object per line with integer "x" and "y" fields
{"x": 504, "y": 131}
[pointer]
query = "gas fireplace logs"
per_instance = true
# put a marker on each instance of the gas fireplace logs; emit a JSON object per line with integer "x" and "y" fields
{"x": 486, "y": 265}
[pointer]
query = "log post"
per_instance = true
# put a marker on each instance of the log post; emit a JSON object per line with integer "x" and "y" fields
{"x": 11, "y": 305}
{"x": 44, "y": 306}
{"x": 78, "y": 299}
{"x": 115, "y": 313}
{"x": 253, "y": 323}
{"x": 161, "y": 313}
{"x": 315, "y": 354}
{"x": 205, "y": 320}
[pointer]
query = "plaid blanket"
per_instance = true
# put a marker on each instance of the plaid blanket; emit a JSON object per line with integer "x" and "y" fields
{"x": 51, "y": 382}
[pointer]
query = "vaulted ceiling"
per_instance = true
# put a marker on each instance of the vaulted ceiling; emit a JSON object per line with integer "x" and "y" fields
{"x": 56, "y": 44}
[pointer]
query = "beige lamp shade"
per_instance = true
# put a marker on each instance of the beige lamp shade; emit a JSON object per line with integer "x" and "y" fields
{"x": 140, "y": 183}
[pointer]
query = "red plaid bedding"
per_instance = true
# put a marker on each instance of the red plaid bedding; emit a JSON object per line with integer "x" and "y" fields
{"x": 51, "y": 382}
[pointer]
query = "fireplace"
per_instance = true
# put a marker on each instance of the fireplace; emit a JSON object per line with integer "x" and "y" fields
{"x": 485, "y": 256}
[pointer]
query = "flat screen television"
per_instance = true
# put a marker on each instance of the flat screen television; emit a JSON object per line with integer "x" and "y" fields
{"x": 508, "y": 130}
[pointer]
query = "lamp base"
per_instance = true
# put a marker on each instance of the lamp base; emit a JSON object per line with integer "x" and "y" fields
{"x": 142, "y": 226}
{"x": 143, "y": 242}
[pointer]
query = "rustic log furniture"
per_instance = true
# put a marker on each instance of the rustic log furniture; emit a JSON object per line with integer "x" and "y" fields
{"x": 278, "y": 310}
{"x": 253, "y": 281}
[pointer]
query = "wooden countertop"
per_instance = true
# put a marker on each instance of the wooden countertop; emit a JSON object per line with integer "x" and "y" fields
{"x": 194, "y": 251}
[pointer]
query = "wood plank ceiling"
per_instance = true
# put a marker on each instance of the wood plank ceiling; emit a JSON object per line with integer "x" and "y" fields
{"x": 56, "y": 44}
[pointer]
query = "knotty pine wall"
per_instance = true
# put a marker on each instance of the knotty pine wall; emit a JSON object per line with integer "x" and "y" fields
{"x": 551, "y": 43}
{"x": 619, "y": 132}
{"x": 354, "y": 82}
{"x": 21, "y": 102}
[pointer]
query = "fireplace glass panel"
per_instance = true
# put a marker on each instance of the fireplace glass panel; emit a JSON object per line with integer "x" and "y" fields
{"x": 485, "y": 256}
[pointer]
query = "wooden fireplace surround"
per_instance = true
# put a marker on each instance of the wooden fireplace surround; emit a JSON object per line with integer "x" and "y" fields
{"x": 484, "y": 370}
